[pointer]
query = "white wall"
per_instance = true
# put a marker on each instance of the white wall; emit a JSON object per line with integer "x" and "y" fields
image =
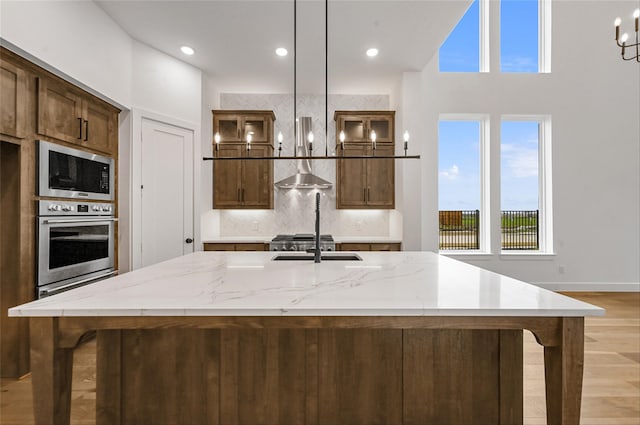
{"x": 165, "y": 85}
{"x": 409, "y": 183}
{"x": 593, "y": 98}
{"x": 75, "y": 37}
{"x": 81, "y": 41}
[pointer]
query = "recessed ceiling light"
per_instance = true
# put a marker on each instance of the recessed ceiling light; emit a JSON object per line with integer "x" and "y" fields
{"x": 372, "y": 52}
{"x": 281, "y": 51}
{"x": 187, "y": 50}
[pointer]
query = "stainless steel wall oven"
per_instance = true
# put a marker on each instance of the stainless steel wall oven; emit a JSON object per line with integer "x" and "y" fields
{"x": 76, "y": 244}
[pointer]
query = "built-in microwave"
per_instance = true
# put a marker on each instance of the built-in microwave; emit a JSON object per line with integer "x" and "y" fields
{"x": 71, "y": 173}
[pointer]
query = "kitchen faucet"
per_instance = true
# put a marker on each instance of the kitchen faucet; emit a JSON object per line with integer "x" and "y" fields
{"x": 316, "y": 256}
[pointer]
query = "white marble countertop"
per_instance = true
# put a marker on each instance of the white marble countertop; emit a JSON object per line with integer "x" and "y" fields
{"x": 250, "y": 284}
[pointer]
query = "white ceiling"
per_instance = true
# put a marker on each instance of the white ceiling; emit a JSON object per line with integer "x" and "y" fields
{"x": 235, "y": 41}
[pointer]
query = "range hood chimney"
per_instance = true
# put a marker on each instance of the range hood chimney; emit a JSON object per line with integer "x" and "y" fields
{"x": 304, "y": 178}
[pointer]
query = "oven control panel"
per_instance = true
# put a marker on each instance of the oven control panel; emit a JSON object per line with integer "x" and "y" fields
{"x": 74, "y": 208}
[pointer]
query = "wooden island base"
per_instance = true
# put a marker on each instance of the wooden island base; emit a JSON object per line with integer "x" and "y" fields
{"x": 308, "y": 370}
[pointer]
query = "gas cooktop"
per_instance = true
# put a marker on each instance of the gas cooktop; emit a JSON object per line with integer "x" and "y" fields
{"x": 301, "y": 242}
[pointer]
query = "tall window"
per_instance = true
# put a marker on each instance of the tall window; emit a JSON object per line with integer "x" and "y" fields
{"x": 525, "y": 38}
{"x": 461, "y": 50}
{"x": 525, "y": 184}
{"x": 460, "y": 183}
{"x": 519, "y": 35}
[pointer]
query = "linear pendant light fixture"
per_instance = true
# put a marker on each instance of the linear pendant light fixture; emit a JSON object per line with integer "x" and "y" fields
{"x": 307, "y": 153}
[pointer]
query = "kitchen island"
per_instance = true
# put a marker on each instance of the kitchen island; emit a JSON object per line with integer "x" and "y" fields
{"x": 230, "y": 337}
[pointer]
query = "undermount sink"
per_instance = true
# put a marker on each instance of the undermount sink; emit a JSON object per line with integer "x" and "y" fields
{"x": 323, "y": 257}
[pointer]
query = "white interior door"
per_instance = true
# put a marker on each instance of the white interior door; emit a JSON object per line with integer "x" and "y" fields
{"x": 166, "y": 191}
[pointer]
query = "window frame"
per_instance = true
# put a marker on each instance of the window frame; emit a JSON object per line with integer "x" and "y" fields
{"x": 544, "y": 36}
{"x": 545, "y": 184}
{"x": 485, "y": 187}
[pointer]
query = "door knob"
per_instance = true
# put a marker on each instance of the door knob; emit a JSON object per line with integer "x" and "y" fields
{"x": 188, "y": 240}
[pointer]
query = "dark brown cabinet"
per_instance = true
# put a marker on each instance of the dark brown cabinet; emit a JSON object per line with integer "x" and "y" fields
{"x": 369, "y": 182}
{"x": 358, "y": 125}
{"x": 239, "y": 184}
{"x": 68, "y": 114}
{"x": 234, "y": 126}
{"x": 365, "y": 246}
{"x": 13, "y": 108}
{"x": 245, "y": 246}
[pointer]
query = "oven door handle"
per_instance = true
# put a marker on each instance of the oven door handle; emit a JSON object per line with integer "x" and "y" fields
{"x": 77, "y": 283}
{"x": 78, "y": 220}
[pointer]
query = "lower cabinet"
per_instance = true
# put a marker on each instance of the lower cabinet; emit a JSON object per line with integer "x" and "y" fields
{"x": 236, "y": 247}
{"x": 279, "y": 375}
{"x": 347, "y": 246}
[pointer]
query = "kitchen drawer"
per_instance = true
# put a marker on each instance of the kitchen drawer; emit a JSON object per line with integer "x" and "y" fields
{"x": 236, "y": 247}
{"x": 377, "y": 246}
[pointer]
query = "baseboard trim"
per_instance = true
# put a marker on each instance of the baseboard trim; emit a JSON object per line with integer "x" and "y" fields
{"x": 590, "y": 286}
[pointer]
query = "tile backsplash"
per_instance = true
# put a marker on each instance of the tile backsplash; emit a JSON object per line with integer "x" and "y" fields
{"x": 294, "y": 210}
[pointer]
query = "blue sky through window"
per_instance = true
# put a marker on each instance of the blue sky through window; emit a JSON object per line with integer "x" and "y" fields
{"x": 459, "y": 165}
{"x": 519, "y": 38}
{"x": 519, "y": 35}
{"x": 519, "y": 165}
{"x": 461, "y": 50}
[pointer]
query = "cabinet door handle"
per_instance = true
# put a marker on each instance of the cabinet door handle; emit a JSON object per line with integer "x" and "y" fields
{"x": 364, "y": 194}
{"x": 80, "y": 128}
{"x": 242, "y": 194}
{"x": 238, "y": 197}
{"x": 369, "y": 194}
{"x": 86, "y": 130}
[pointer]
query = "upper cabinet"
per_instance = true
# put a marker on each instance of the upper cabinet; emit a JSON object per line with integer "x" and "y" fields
{"x": 359, "y": 125}
{"x": 243, "y": 184}
{"x": 234, "y": 126}
{"x": 13, "y": 108}
{"x": 367, "y": 183}
{"x": 68, "y": 114}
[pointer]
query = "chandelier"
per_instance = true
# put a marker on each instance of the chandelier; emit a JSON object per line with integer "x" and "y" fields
{"x": 622, "y": 40}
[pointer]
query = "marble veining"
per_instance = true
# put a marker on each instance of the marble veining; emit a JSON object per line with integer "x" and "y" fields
{"x": 251, "y": 284}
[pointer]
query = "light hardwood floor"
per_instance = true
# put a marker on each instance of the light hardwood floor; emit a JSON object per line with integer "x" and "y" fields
{"x": 611, "y": 389}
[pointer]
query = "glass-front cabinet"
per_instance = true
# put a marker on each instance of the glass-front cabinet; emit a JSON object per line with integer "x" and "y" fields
{"x": 234, "y": 126}
{"x": 359, "y": 125}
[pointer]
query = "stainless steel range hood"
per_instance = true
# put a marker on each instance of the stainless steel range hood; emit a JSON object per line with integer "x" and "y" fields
{"x": 304, "y": 178}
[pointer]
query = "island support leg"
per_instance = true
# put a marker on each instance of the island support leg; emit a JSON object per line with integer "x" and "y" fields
{"x": 563, "y": 368}
{"x": 51, "y": 373}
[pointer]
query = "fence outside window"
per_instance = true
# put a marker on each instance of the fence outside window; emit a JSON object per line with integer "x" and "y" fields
{"x": 460, "y": 230}
{"x": 520, "y": 230}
